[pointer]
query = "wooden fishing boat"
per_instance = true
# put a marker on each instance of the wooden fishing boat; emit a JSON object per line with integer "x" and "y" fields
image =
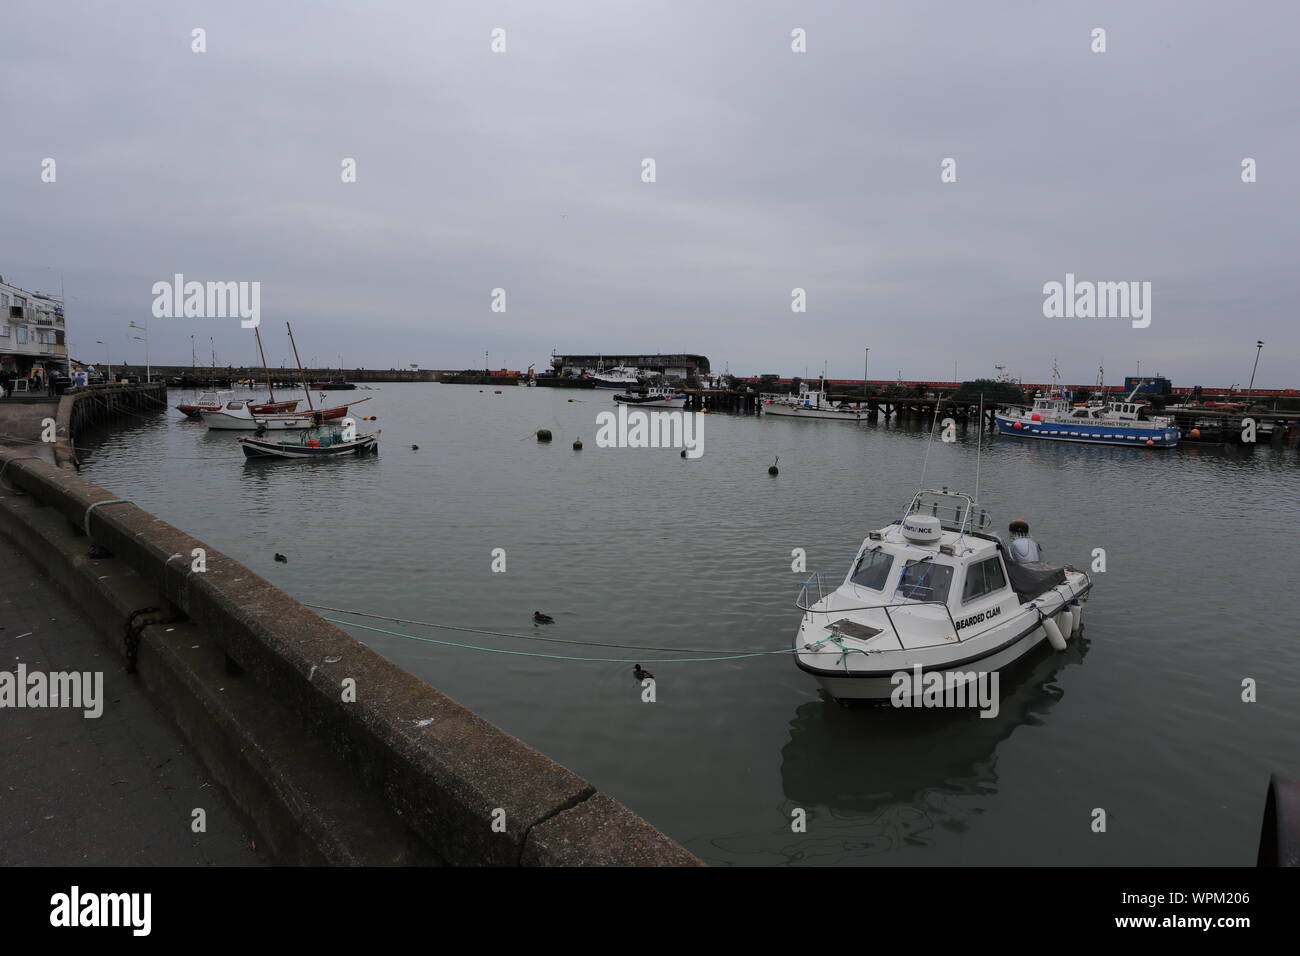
{"x": 329, "y": 441}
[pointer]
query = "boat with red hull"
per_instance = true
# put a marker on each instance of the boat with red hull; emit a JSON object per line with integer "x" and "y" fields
{"x": 214, "y": 401}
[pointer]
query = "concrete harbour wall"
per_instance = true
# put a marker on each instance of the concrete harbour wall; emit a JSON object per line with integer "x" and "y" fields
{"x": 81, "y": 408}
{"x": 257, "y": 682}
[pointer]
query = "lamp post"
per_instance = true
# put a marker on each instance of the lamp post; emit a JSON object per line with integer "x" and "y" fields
{"x": 146, "y": 353}
{"x": 1259, "y": 345}
{"x": 148, "y": 373}
{"x": 108, "y": 363}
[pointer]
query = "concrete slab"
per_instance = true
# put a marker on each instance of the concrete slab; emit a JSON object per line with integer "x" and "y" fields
{"x": 20, "y": 426}
{"x": 114, "y": 790}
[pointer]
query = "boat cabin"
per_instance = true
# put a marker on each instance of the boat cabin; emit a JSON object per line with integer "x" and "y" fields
{"x": 935, "y": 575}
{"x": 1050, "y": 406}
{"x": 1125, "y": 411}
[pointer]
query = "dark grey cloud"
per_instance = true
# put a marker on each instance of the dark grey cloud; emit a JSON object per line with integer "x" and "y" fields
{"x": 775, "y": 170}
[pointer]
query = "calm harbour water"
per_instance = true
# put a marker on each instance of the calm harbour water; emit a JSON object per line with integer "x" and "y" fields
{"x": 1142, "y": 717}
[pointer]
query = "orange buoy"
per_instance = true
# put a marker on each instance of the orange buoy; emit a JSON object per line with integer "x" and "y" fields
{"x": 1018, "y": 426}
{"x": 1194, "y": 433}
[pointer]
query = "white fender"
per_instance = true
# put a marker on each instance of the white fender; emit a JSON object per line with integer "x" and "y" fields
{"x": 1066, "y": 622}
{"x": 1078, "y": 618}
{"x": 1053, "y": 634}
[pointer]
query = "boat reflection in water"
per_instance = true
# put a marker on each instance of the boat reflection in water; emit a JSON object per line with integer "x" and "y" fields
{"x": 876, "y": 781}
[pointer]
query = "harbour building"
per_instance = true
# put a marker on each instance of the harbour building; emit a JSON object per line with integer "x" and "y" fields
{"x": 32, "y": 332}
{"x": 681, "y": 365}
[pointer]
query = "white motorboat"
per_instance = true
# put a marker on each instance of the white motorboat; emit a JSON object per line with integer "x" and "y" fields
{"x": 811, "y": 403}
{"x": 243, "y": 416}
{"x": 207, "y": 401}
{"x": 656, "y": 396}
{"x": 238, "y": 416}
{"x": 620, "y": 377}
{"x": 932, "y": 593}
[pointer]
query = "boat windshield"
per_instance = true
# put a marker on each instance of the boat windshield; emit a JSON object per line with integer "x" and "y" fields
{"x": 872, "y": 570}
{"x": 924, "y": 581}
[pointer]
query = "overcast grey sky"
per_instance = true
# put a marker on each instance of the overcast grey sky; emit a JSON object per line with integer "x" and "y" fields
{"x": 775, "y": 170}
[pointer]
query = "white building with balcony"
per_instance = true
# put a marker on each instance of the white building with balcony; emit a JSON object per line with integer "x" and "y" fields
{"x": 32, "y": 332}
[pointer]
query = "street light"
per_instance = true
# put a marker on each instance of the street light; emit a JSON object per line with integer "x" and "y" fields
{"x": 146, "y": 353}
{"x": 1259, "y": 345}
{"x": 108, "y": 363}
{"x": 148, "y": 373}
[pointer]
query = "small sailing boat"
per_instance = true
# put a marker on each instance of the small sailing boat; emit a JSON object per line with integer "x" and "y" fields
{"x": 215, "y": 401}
{"x": 323, "y": 441}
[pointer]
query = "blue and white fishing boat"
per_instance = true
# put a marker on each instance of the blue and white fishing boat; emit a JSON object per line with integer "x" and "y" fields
{"x": 1053, "y": 418}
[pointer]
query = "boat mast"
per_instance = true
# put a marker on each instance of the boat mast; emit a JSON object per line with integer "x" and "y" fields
{"x": 297, "y": 361}
{"x": 260, "y": 351}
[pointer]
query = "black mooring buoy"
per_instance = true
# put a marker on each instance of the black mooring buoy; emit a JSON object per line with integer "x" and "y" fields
{"x": 772, "y": 469}
{"x": 683, "y": 452}
{"x": 543, "y": 434}
{"x": 577, "y": 444}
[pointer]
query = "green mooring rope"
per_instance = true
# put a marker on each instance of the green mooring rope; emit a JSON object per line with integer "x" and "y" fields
{"x": 560, "y": 657}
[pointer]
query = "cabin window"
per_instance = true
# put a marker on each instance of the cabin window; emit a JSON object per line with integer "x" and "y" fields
{"x": 4, "y": 331}
{"x": 983, "y": 578}
{"x": 873, "y": 570}
{"x": 924, "y": 581}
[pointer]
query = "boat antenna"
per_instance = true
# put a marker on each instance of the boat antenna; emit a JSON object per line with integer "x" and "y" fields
{"x": 969, "y": 519}
{"x": 305, "y": 390}
{"x": 926, "y": 464}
